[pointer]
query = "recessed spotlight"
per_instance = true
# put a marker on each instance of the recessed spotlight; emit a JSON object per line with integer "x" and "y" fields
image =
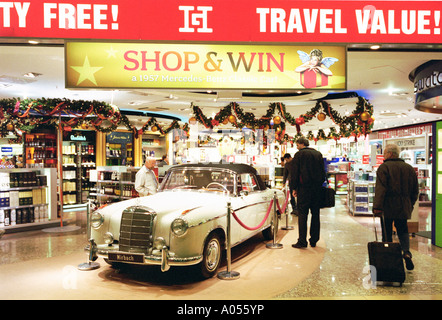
{"x": 32, "y": 75}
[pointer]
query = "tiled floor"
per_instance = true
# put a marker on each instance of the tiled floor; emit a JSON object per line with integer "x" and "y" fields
{"x": 342, "y": 273}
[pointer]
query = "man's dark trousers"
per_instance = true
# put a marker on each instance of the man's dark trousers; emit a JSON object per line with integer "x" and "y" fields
{"x": 308, "y": 199}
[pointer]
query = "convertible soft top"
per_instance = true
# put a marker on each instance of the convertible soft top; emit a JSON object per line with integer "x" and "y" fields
{"x": 236, "y": 167}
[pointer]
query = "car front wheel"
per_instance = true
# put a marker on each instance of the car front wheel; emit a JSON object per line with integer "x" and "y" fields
{"x": 211, "y": 256}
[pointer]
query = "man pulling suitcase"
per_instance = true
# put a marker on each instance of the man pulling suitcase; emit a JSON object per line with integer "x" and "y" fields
{"x": 396, "y": 193}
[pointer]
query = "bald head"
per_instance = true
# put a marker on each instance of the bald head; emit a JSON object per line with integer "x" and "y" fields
{"x": 150, "y": 163}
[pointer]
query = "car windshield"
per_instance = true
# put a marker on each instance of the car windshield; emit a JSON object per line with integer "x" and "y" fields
{"x": 211, "y": 180}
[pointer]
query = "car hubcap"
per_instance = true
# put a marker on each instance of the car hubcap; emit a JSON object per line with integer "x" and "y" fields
{"x": 213, "y": 252}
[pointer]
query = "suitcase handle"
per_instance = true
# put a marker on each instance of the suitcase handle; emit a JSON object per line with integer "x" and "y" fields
{"x": 382, "y": 227}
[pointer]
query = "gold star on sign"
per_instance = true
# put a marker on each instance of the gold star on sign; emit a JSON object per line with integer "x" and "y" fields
{"x": 86, "y": 72}
{"x": 111, "y": 52}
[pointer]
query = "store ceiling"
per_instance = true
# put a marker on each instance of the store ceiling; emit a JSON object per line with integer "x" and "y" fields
{"x": 379, "y": 76}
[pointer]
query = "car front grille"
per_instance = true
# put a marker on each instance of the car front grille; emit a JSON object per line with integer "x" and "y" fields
{"x": 136, "y": 230}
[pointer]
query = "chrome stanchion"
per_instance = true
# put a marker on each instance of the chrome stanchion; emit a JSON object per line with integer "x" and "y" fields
{"x": 90, "y": 265}
{"x": 228, "y": 275}
{"x": 287, "y": 227}
{"x": 274, "y": 245}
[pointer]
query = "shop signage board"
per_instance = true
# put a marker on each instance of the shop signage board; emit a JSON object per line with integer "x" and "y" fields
{"x": 436, "y": 217}
{"x": 405, "y": 131}
{"x": 221, "y": 66}
{"x": 427, "y": 79}
{"x": 285, "y": 21}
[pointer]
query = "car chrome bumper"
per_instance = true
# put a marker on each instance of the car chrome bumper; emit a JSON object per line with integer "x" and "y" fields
{"x": 162, "y": 257}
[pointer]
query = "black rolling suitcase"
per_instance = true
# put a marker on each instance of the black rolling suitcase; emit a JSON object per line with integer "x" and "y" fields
{"x": 386, "y": 264}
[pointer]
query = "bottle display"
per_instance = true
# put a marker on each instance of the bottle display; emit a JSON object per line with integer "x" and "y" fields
{"x": 119, "y": 149}
{"x": 115, "y": 186}
{"x": 78, "y": 159}
{"x": 41, "y": 150}
{"x": 22, "y": 194}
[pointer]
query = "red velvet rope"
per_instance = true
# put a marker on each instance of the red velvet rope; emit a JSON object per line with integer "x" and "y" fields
{"x": 285, "y": 203}
{"x": 262, "y": 222}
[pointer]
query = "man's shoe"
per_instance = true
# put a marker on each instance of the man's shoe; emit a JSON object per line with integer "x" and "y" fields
{"x": 408, "y": 262}
{"x": 312, "y": 244}
{"x": 298, "y": 245}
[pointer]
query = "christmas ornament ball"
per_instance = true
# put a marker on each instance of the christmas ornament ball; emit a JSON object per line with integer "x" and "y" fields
{"x": 364, "y": 116}
{"x": 321, "y": 116}
{"x": 277, "y": 120}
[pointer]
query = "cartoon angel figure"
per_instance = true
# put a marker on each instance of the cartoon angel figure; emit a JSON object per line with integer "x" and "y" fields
{"x": 315, "y": 62}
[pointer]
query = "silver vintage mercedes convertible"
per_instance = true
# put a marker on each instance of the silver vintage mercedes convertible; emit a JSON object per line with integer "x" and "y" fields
{"x": 185, "y": 223}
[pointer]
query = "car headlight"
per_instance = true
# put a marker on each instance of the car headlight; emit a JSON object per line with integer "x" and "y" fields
{"x": 97, "y": 219}
{"x": 179, "y": 227}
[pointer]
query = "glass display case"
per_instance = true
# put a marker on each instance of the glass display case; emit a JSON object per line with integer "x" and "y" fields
{"x": 113, "y": 184}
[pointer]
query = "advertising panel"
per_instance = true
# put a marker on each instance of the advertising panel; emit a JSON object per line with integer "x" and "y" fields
{"x": 165, "y": 65}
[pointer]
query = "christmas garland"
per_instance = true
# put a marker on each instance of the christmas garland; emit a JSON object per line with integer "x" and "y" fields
{"x": 25, "y": 115}
{"x": 359, "y": 122}
{"x": 20, "y": 116}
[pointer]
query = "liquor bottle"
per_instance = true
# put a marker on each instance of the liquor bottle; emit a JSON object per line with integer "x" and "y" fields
{"x": 31, "y": 214}
{"x": 37, "y": 214}
{"x": 2, "y": 218}
{"x": 134, "y": 193}
{"x": 25, "y": 215}
{"x": 7, "y": 217}
{"x": 13, "y": 217}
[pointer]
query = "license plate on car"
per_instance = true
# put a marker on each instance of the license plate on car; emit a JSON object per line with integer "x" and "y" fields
{"x": 126, "y": 257}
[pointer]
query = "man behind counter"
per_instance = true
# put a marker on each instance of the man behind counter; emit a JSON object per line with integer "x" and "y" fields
{"x": 146, "y": 182}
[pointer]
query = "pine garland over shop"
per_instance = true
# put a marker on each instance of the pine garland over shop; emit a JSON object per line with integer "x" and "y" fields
{"x": 358, "y": 123}
{"x": 18, "y": 116}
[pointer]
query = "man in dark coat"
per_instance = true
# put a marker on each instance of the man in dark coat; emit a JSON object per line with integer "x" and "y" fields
{"x": 307, "y": 176}
{"x": 396, "y": 193}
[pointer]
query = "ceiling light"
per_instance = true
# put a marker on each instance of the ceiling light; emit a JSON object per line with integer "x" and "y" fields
{"x": 32, "y": 75}
{"x": 33, "y": 42}
{"x": 375, "y": 47}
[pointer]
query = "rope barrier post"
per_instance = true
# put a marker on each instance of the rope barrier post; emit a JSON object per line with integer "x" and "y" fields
{"x": 287, "y": 227}
{"x": 90, "y": 265}
{"x": 274, "y": 245}
{"x": 228, "y": 275}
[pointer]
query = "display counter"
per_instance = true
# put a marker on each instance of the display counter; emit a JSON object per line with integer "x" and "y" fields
{"x": 27, "y": 197}
{"x": 113, "y": 183}
{"x": 360, "y": 199}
